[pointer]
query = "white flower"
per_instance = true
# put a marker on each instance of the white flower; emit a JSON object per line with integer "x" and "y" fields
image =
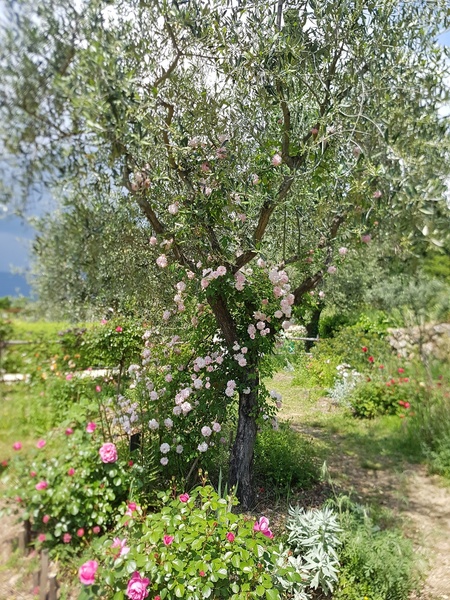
{"x": 203, "y": 447}
{"x": 216, "y": 427}
{"x": 164, "y": 461}
{"x": 164, "y": 448}
{"x": 206, "y": 431}
{"x": 168, "y": 423}
{"x": 153, "y": 425}
{"x": 179, "y": 449}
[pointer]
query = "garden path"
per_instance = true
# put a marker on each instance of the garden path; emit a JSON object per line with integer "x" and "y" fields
{"x": 420, "y": 501}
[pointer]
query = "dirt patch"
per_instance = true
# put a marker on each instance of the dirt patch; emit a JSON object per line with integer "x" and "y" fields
{"x": 16, "y": 580}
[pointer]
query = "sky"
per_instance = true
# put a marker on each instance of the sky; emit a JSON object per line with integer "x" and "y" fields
{"x": 16, "y": 235}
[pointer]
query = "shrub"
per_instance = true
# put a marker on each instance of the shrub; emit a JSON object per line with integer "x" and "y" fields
{"x": 314, "y": 538}
{"x": 285, "y": 459}
{"x": 69, "y": 494}
{"x": 319, "y": 368}
{"x": 117, "y": 342}
{"x": 429, "y": 425}
{"x": 195, "y": 547}
{"x": 396, "y": 396}
{"x": 375, "y": 563}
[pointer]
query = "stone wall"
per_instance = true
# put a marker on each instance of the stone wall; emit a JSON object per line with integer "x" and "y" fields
{"x": 432, "y": 339}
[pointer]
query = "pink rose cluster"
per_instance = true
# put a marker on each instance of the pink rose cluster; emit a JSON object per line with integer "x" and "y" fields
{"x": 263, "y": 526}
{"x": 108, "y": 453}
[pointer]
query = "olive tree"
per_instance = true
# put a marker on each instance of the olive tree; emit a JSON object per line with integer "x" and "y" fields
{"x": 259, "y": 140}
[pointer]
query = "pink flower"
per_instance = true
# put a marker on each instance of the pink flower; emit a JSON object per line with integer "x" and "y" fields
{"x": 184, "y": 497}
{"x": 365, "y": 239}
{"x": 122, "y": 544}
{"x": 91, "y": 427}
{"x": 40, "y": 443}
{"x": 230, "y": 536}
{"x": 276, "y": 160}
{"x": 377, "y": 194}
{"x": 71, "y": 471}
{"x": 400, "y": 370}
{"x": 66, "y": 538}
{"x": 69, "y": 376}
{"x": 364, "y": 349}
{"x": 80, "y": 532}
{"x": 42, "y": 485}
{"x": 87, "y": 572}
{"x": 69, "y": 431}
{"x": 332, "y": 270}
{"x": 137, "y": 587}
{"x": 371, "y": 359}
{"x": 98, "y": 388}
{"x": 17, "y": 446}
{"x": 96, "y": 529}
{"x": 343, "y": 251}
{"x": 132, "y": 506}
{"x": 108, "y": 453}
{"x": 46, "y": 518}
{"x": 168, "y": 539}
{"x": 161, "y": 261}
{"x": 42, "y": 537}
{"x": 103, "y": 322}
{"x": 119, "y": 329}
{"x": 201, "y": 573}
{"x": 261, "y": 525}
{"x": 33, "y": 473}
{"x": 153, "y": 241}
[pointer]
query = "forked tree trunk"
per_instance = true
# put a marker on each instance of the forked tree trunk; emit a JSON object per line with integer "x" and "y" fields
{"x": 241, "y": 459}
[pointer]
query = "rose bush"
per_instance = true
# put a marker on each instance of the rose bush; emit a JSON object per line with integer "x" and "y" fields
{"x": 70, "y": 489}
{"x": 194, "y": 547}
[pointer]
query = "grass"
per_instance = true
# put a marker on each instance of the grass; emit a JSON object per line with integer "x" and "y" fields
{"x": 380, "y": 442}
{"x": 25, "y": 415}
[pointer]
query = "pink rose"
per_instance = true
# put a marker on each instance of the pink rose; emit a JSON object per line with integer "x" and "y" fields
{"x": 46, "y": 518}
{"x": 98, "y": 388}
{"x": 33, "y": 473}
{"x": 168, "y": 539}
{"x": 69, "y": 431}
{"x": 276, "y": 160}
{"x": 261, "y": 525}
{"x": 66, "y": 538}
{"x": 87, "y": 572}
{"x": 91, "y": 427}
{"x": 119, "y": 329}
{"x": 42, "y": 537}
{"x": 40, "y": 443}
{"x": 69, "y": 376}
{"x": 42, "y": 485}
{"x": 230, "y": 536}
{"x": 17, "y": 446}
{"x": 71, "y": 471}
{"x": 122, "y": 544}
{"x": 108, "y": 453}
{"x": 137, "y": 587}
{"x": 96, "y": 529}
{"x": 132, "y": 506}
{"x": 184, "y": 497}
{"x": 80, "y": 532}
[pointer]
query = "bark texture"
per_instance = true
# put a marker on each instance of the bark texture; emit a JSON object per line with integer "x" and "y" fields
{"x": 242, "y": 453}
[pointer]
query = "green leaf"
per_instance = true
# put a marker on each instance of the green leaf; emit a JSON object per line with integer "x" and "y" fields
{"x": 179, "y": 590}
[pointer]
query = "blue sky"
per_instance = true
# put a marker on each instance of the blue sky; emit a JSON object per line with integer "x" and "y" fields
{"x": 16, "y": 235}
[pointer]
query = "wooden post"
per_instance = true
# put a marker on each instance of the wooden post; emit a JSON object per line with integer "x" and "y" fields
{"x": 53, "y": 587}
{"x": 44, "y": 575}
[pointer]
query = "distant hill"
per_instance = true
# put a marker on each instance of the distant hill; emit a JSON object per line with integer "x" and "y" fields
{"x": 12, "y": 284}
